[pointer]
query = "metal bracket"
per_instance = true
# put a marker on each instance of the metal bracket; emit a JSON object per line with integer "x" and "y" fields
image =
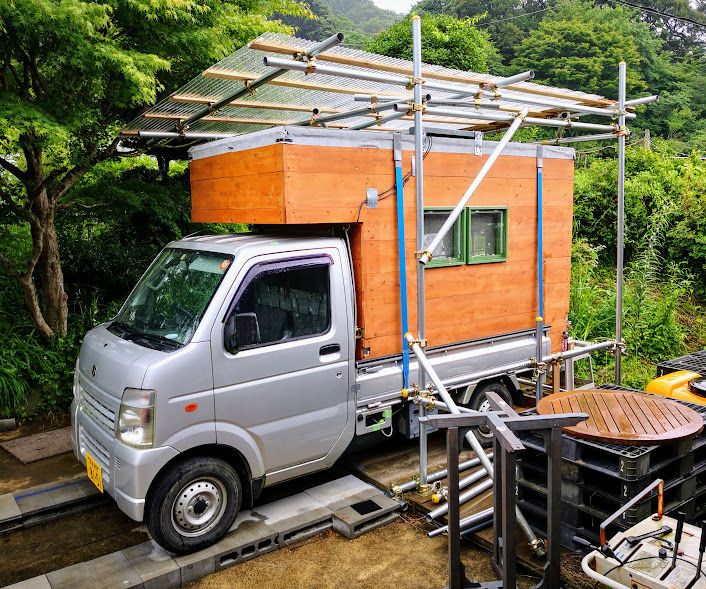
{"x": 428, "y": 254}
{"x": 372, "y": 197}
{"x": 422, "y": 343}
{"x": 250, "y": 90}
{"x": 311, "y": 66}
{"x": 359, "y": 333}
{"x": 478, "y": 142}
{"x": 412, "y": 82}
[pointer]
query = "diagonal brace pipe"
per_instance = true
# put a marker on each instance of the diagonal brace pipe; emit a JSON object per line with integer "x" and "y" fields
{"x": 426, "y": 255}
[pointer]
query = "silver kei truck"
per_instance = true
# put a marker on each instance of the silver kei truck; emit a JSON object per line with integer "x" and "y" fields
{"x": 231, "y": 367}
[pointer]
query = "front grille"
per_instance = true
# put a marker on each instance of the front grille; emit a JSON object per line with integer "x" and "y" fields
{"x": 96, "y": 449}
{"x": 99, "y": 413}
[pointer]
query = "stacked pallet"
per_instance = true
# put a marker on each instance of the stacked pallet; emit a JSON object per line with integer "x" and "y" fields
{"x": 695, "y": 362}
{"x": 597, "y": 478}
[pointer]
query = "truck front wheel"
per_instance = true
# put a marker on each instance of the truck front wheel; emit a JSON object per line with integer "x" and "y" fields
{"x": 193, "y": 504}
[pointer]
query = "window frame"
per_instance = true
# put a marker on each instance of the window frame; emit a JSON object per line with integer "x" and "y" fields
{"x": 459, "y": 237}
{"x": 280, "y": 266}
{"x": 485, "y": 259}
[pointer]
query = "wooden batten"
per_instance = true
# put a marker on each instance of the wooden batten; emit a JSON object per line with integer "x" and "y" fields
{"x": 320, "y": 176}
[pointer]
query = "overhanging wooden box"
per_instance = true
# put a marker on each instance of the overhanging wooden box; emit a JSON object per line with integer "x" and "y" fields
{"x": 315, "y": 176}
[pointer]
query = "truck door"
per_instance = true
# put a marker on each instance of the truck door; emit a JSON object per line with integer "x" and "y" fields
{"x": 280, "y": 357}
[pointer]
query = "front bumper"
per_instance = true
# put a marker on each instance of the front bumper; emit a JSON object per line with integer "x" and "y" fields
{"x": 127, "y": 472}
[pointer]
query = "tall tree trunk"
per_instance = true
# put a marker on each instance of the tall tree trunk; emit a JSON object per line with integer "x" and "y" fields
{"x": 54, "y": 297}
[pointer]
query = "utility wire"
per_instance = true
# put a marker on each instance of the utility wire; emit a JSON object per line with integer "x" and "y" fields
{"x": 658, "y": 12}
{"x": 524, "y": 14}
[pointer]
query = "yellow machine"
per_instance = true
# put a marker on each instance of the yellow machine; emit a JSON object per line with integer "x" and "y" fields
{"x": 682, "y": 385}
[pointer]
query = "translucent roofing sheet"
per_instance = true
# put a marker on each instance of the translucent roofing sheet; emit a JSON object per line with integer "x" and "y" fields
{"x": 291, "y": 97}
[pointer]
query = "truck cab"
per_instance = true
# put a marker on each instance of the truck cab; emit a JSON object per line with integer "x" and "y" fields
{"x": 228, "y": 368}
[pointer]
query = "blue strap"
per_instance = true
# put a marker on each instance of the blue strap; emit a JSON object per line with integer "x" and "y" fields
{"x": 540, "y": 271}
{"x": 403, "y": 272}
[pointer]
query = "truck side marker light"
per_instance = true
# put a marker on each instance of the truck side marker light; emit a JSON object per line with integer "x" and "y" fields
{"x": 191, "y": 407}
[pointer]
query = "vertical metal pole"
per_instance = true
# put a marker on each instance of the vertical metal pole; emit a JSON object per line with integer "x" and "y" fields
{"x": 455, "y": 567}
{"x": 509, "y": 570}
{"x": 552, "y": 442}
{"x": 538, "y": 391}
{"x": 497, "y": 506}
{"x": 419, "y": 206}
{"x": 621, "y": 221}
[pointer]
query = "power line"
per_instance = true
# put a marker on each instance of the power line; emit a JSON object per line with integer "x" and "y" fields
{"x": 658, "y": 12}
{"x": 524, "y": 14}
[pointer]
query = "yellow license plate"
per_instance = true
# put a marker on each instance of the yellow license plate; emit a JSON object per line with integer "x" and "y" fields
{"x": 94, "y": 472}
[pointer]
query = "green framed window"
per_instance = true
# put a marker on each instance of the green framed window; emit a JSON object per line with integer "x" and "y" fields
{"x": 451, "y": 251}
{"x": 486, "y": 235}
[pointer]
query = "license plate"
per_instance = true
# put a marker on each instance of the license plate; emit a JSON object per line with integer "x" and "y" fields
{"x": 95, "y": 474}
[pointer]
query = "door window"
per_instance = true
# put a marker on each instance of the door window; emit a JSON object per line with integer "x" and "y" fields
{"x": 280, "y": 304}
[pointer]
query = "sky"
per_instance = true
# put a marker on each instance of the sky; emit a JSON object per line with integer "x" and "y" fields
{"x": 402, "y": 6}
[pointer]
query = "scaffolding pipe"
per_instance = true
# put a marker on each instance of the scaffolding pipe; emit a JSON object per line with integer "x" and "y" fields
{"x": 419, "y": 207}
{"x": 176, "y": 135}
{"x": 479, "y": 489}
{"x": 426, "y": 255}
{"x": 466, "y": 522}
{"x": 437, "y": 476}
{"x": 621, "y": 222}
{"x": 380, "y": 107}
{"x": 525, "y": 364}
{"x": 249, "y": 88}
{"x": 578, "y": 139}
{"x": 540, "y": 276}
{"x": 640, "y": 101}
{"x": 535, "y": 544}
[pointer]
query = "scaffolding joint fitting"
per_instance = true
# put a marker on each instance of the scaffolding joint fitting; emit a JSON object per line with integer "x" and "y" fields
{"x": 622, "y": 130}
{"x": 248, "y": 86}
{"x": 538, "y": 547}
{"x": 427, "y": 253}
{"x": 359, "y": 333}
{"x": 396, "y": 492}
{"x": 310, "y": 65}
{"x": 422, "y": 343}
{"x": 413, "y": 81}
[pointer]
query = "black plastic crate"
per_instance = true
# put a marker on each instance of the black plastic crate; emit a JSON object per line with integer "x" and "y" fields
{"x": 695, "y": 362}
{"x": 537, "y": 519}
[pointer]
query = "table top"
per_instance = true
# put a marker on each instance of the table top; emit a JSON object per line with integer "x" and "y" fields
{"x": 624, "y": 417}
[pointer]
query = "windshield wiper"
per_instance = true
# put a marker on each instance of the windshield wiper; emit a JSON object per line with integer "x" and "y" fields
{"x": 158, "y": 339}
{"x": 154, "y": 341}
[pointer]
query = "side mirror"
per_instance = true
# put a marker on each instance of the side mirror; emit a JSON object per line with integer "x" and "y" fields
{"x": 241, "y": 329}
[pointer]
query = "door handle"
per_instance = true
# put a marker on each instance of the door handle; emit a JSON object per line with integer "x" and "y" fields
{"x": 329, "y": 349}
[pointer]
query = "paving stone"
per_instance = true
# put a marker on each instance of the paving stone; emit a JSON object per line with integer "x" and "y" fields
{"x": 342, "y": 492}
{"x": 8, "y": 508}
{"x": 39, "y": 582}
{"x": 52, "y": 495}
{"x": 154, "y": 564}
{"x": 112, "y": 571}
{"x": 363, "y": 517}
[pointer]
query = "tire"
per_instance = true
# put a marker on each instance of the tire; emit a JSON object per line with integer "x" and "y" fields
{"x": 478, "y": 402}
{"x": 193, "y": 504}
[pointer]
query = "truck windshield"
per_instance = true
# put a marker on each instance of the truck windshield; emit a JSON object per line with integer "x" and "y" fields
{"x": 167, "y": 304}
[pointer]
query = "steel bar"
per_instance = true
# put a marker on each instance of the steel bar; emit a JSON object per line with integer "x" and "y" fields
{"x": 640, "y": 101}
{"x": 466, "y": 522}
{"x": 382, "y": 121}
{"x": 190, "y": 135}
{"x": 578, "y": 139}
{"x": 456, "y": 575}
{"x": 426, "y": 255}
{"x": 356, "y": 112}
{"x": 465, "y": 497}
{"x": 437, "y": 476}
{"x": 419, "y": 208}
{"x": 249, "y": 87}
{"x": 568, "y": 124}
{"x": 534, "y": 542}
{"x": 526, "y": 364}
{"x": 621, "y": 223}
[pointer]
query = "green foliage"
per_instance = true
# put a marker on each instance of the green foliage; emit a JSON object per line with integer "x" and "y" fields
{"x": 579, "y": 46}
{"x": 369, "y": 19}
{"x": 446, "y": 41}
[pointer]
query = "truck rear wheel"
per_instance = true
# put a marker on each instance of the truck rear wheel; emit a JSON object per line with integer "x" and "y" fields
{"x": 193, "y": 504}
{"x": 479, "y": 402}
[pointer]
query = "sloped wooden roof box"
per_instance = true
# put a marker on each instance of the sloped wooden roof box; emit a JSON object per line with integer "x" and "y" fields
{"x": 305, "y": 176}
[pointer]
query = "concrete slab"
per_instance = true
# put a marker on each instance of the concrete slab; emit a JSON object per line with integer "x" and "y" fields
{"x": 154, "y": 564}
{"x": 9, "y": 510}
{"x": 53, "y": 495}
{"x": 360, "y": 518}
{"x": 342, "y": 492}
{"x": 39, "y": 582}
{"x": 112, "y": 571}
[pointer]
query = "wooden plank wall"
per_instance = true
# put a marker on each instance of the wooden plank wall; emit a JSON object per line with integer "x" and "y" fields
{"x": 299, "y": 184}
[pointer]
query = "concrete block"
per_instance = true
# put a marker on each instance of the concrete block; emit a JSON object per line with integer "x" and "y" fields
{"x": 196, "y": 565}
{"x": 112, "y": 571}
{"x": 53, "y": 495}
{"x": 7, "y": 424}
{"x": 154, "y": 564}
{"x": 9, "y": 510}
{"x": 39, "y": 582}
{"x": 342, "y": 492}
{"x": 363, "y": 517}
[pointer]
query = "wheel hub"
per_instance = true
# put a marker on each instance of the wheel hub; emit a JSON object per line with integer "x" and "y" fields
{"x": 199, "y": 506}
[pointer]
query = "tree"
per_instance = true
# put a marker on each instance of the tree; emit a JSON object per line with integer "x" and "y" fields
{"x": 72, "y": 73}
{"x": 580, "y": 45}
{"x": 446, "y": 41}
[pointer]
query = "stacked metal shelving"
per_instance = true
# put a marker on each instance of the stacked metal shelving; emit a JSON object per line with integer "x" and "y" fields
{"x": 598, "y": 478}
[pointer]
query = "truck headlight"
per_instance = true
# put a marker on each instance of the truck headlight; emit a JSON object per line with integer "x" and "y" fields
{"x": 76, "y": 385}
{"x": 136, "y": 418}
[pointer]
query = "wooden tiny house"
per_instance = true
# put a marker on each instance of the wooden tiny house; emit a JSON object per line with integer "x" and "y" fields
{"x": 484, "y": 280}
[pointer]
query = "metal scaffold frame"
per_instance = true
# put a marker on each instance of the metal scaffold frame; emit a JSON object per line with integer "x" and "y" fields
{"x": 451, "y": 100}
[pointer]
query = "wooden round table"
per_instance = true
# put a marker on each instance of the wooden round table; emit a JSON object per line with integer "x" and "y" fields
{"x": 624, "y": 417}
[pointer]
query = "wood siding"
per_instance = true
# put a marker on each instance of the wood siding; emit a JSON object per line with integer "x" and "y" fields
{"x": 299, "y": 184}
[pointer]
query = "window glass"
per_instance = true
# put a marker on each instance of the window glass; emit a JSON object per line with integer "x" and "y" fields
{"x": 449, "y": 250}
{"x": 487, "y": 234}
{"x": 288, "y": 303}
